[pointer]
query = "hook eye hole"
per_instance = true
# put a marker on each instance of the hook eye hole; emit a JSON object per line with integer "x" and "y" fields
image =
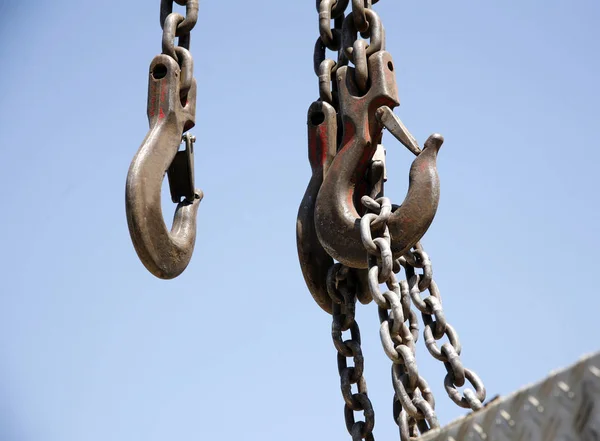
{"x": 159, "y": 71}
{"x": 317, "y": 118}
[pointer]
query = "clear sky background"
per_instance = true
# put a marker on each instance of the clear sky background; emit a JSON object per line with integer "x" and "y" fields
{"x": 92, "y": 347}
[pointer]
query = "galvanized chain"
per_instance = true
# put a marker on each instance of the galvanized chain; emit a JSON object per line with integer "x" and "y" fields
{"x": 436, "y": 327}
{"x": 342, "y": 287}
{"x": 413, "y": 401}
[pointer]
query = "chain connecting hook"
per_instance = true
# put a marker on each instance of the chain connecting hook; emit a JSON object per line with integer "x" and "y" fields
{"x": 171, "y": 112}
{"x": 337, "y": 219}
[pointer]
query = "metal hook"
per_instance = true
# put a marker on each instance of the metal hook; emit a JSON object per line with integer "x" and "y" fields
{"x": 171, "y": 112}
{"x": 314, "y": 260}
{"x": 337, "y": 219}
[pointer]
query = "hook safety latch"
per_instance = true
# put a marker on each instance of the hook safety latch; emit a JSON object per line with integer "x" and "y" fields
{"x": 171, "y": 112}
{"x": 337, "y": 208}
{"x": 181, "y": 172}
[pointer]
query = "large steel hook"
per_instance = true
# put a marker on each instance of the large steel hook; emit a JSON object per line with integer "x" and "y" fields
{"x": 322, "y": 144}
{"x": 337, "y": 220}
{"x": 171, "y": 112}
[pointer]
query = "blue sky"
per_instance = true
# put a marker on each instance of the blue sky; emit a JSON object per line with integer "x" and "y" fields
{"x": 92, "y": 347}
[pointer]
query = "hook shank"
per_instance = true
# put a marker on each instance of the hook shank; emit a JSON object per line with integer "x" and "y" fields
{"x": 337, "y": 219}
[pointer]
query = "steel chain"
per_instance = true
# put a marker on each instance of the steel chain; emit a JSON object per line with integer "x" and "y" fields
{"x": 436, "y": 327}
{"x": 175, "y": 25}
{"x": 414, "y": 404}
{"x": 413, "y": 400}
{"x": 342, "y": 287}
{"x": 329, "y": 39}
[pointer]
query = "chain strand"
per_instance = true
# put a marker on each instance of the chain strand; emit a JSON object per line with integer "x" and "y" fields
{"x": 436, "y": 327}
{"x": 342, "y": 287}
{"x": 414, "y": 404}
{"x": 413, "y": 401}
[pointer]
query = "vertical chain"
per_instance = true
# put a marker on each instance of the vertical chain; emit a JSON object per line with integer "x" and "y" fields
{"x": 342, "y": 287}
{"x": 414, "y": 404}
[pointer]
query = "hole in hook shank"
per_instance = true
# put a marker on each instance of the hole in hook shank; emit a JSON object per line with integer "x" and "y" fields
{"x": 317, "y": 118}
{"x": 159, "y": 71}
{"x": 390, "y": 66}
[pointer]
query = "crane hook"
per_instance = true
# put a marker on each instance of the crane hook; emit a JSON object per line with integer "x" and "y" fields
{"x": 337, "y": 219}
{"x": 171, "y": 112}
{"x": 314, "y": 260}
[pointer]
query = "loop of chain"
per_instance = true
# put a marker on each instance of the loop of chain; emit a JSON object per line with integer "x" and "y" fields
{"x": 414, "y": 401}
{"x": 342, "y": 287}
{"x": 358, "y": 51}
{"x": 191, "y": 14}
{"x": 436, "y": 327}
{"x": 359, "y": 14}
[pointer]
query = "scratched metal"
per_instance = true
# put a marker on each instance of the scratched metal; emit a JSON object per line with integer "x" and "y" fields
{"x": 171, "y": 113}
{"x": 564, "y": 406}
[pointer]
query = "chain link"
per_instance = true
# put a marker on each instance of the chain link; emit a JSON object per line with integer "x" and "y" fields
{"x": 413, "y": 401}
{"x": 175, "y": 25}
{"x": 342, "y": 286}
{"x": 329, "y": 39}
{"x": 414, "y": 404}
{"x": 436, "y": 327}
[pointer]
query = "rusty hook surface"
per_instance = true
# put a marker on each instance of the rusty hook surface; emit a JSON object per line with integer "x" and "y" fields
{"x": 322, "y": 144}
{"x": 171, "y": 112}
{"x": 337, "y": 219}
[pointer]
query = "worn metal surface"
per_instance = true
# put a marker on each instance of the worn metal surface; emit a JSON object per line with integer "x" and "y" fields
{"x": 345, "y": 217}
{"x": 314, "y": 260}
{"x": 565, "y": 406}
{"x": 343, "y": 286}
{"x": 337, "y": 218}
{"x": 171, "y": 112}
{"x": 414, "y": 405}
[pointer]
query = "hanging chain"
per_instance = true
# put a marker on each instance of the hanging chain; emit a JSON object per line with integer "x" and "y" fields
{"x": 413, "y": 400}
{"x": 342, "y": 287}
{"x": 342, "y": 284}
{"x": 414, "y": 404}
{"x": 436, "y": 327}
{"x": 329, "y": 39}
{"x": 174, "y": 25}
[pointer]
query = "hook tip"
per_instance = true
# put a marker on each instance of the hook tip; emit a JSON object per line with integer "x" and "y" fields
{"x": 434, "y": 141}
